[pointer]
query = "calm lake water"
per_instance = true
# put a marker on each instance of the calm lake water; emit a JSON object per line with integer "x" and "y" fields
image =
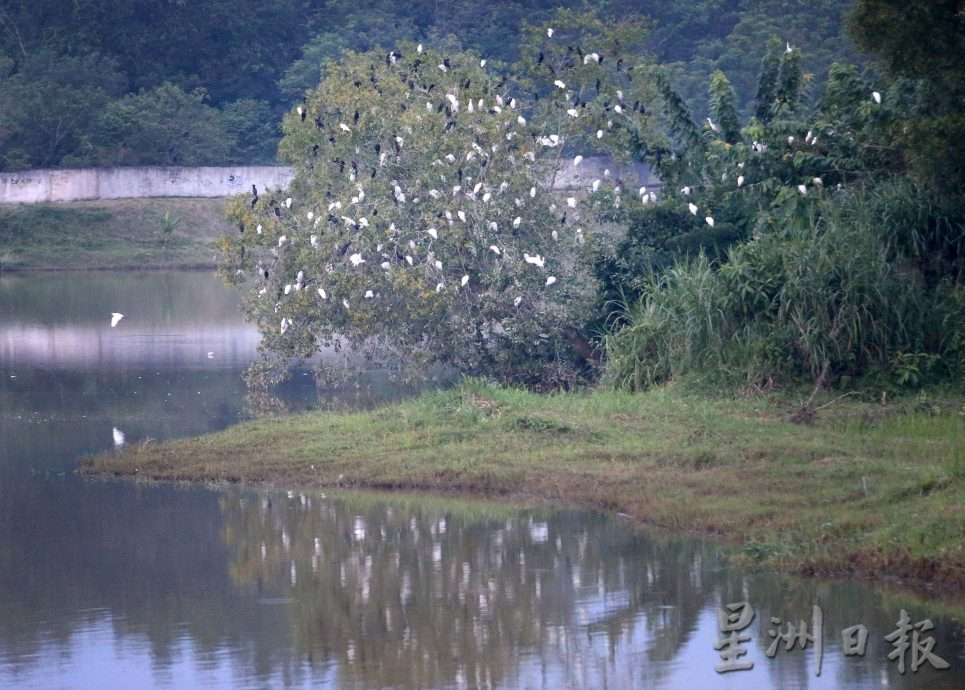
{"x": 114, "y": 585}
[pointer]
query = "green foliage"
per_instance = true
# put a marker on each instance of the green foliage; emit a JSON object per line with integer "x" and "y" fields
{"x": 422, "y": 184}
{"x": 837, "y": 256}
{"x": 48, "y": 106}
{"x": 169, "y": 221}
{"x": 921, "y": 44}
{"x": 248, "y": 52}
{"x": 786, "y": 304}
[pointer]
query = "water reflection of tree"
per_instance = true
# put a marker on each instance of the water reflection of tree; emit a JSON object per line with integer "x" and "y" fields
{"x": 408, "y": 597}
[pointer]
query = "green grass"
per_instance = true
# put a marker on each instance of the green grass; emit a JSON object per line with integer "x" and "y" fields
{"x": 123, "y": 233}
{"x": 868, "y": 488}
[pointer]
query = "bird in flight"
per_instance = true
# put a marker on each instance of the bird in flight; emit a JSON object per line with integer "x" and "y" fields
{"x": 115, "y": 318}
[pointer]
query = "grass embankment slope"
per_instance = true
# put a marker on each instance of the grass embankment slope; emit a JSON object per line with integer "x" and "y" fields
{"x": 868, "y": 488}
{"x": 121, "y": 233}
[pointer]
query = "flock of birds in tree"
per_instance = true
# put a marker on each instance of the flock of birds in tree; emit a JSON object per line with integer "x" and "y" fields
{"x": 466, "y": 189}
{"x": 465, "y": 181}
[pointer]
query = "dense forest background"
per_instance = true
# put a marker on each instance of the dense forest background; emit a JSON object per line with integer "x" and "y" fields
{"x": 172, "y": 82}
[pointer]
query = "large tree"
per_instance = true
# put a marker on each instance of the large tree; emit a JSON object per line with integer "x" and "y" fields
{"x": 423, "y": 225}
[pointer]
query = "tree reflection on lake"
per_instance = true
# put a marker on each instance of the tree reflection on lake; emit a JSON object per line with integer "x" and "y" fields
{"x": 406, "y": 593}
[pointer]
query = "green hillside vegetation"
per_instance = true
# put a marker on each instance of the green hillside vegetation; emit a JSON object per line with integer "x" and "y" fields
{"x": 116, "y": 82}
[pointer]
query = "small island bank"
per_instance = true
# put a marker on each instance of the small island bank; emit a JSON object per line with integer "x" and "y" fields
{"x": 864, "y": 488}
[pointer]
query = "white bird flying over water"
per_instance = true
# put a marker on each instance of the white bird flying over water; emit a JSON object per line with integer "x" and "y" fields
{"x": 115, "y": 318}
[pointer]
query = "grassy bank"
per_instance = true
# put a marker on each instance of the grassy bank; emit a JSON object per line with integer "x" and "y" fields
{"x": 867, "y": 489}
{"x": 121, "y": 233}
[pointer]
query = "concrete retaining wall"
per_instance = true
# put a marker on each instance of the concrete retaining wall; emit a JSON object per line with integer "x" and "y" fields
{"x": 33, "y": 186}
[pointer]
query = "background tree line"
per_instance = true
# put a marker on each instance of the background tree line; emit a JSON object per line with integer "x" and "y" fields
{"x": 169, "y": 82}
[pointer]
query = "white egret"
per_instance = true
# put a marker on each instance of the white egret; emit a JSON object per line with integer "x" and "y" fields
{"x": 560, "y": 83}
{"x": 516, "y": 221}
{"x": 536, "y": 260}
{"x": 517, "y": 301}
{"x": 438, "y": 265}
{"x": 571, "y": 202}
{"x": 440, "y": 286}
{"x": 322, "y": 293}
{"x": 356, "y": 259}
{"x": 693, "y": 209}
{"x": 573, "y": 112}
{"x": 550, "y": 280}
{"x": 493, "y": 225}
{"x": 385, "y": 265}
{"x": 464, "y": 281}
{"x": 493, "y": 248}
{"x": 740, "y": 180}
{"x": 549, "y": 33}
{"x": 710, "y": 221}
{"x": 599, "y": 134}
{"x": 369, "y": 294}
{"x": 685, "y": 191}
{"x": 116, "y": 318}
{"x": 462, "y": 215}
{"x": 532, "y": 192}
{"x": 288, "y": 202}
{"x": 577, "y": 160}
{"x": 433, "y": 233}
{"x": 345, "y": 303}
{"x": 801, "y": 188}
{"x": 118, "y": 437}
{"x": 408, "y": 259}
{"x": 818, "y": 182}
{"x": 596, "y": 185}
{"x": 877, "y": 96}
